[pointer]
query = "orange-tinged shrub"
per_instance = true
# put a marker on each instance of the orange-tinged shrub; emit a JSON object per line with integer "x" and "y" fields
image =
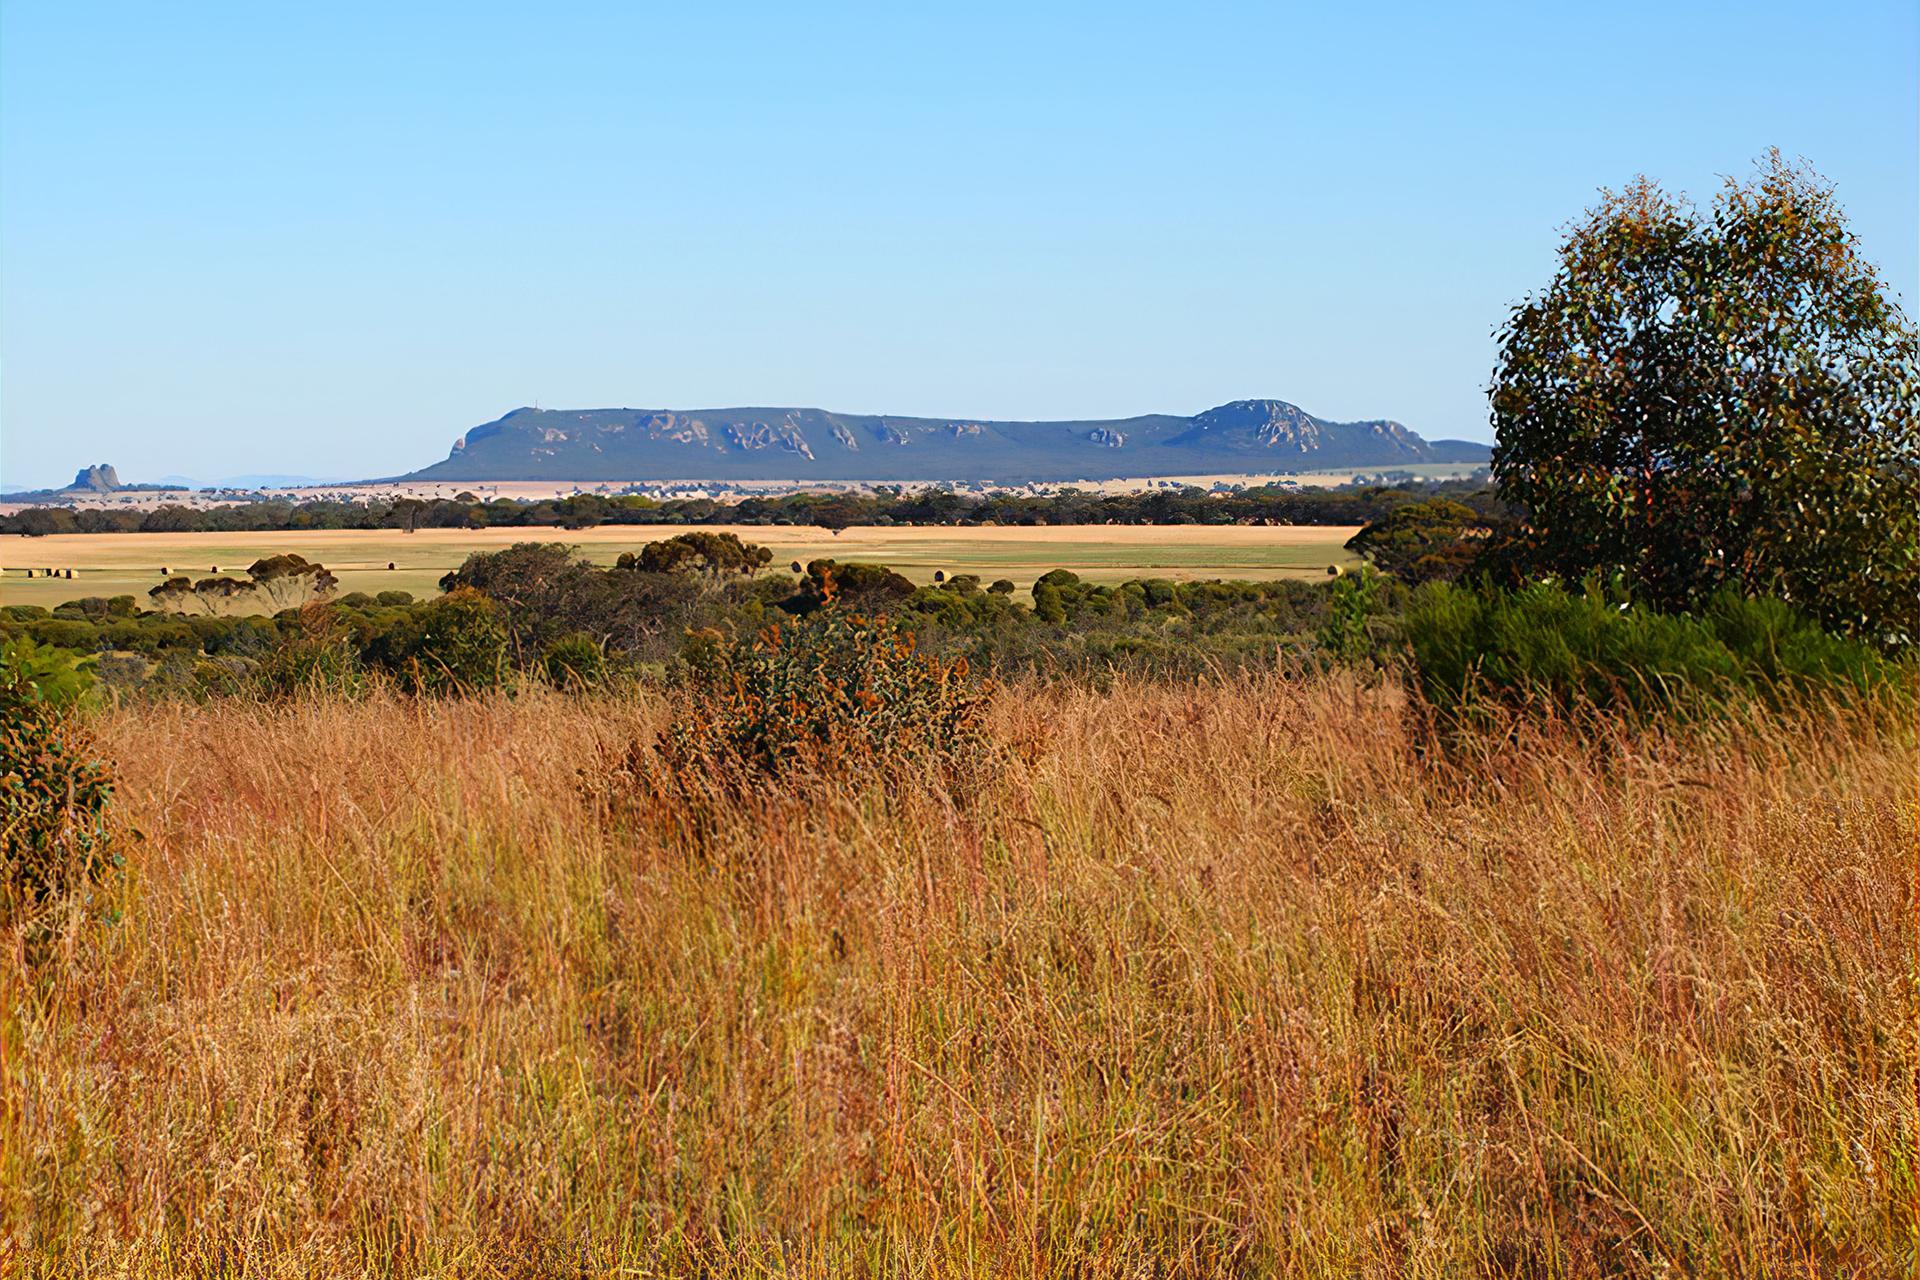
{"x": 834, "y": 693}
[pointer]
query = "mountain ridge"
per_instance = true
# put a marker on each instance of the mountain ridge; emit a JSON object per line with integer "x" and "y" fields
{"x": 794, "y": 443}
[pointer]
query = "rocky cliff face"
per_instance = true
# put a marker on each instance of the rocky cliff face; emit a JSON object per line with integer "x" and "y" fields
{"x": 98, "y": 478}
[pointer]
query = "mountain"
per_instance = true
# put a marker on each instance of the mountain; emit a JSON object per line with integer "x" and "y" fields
{"x": 813, "y": 444}
{"x": 87, "y": 481}
{"x": 98, "y": 478}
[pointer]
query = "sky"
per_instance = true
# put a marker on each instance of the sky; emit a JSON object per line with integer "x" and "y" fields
{"x": 326, "y": 239}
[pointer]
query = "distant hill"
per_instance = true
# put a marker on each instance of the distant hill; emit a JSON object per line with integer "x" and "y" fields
{"x": 98, "y": 478}
{"x": 87, "y": 482}
{"x": 814, "y": 444}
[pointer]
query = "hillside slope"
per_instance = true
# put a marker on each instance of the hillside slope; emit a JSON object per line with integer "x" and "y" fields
{"x": 814, "y": 444}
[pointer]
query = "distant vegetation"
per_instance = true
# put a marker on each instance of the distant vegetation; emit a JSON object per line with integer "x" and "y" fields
{"x": 885, "y": 506}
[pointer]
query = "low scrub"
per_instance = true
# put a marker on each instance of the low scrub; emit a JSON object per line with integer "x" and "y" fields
{"x": 1471, "y": 649}
{"x": 54, "y": 795}
{"x": 833, "y": 701}
{"x": 834, "y": 692}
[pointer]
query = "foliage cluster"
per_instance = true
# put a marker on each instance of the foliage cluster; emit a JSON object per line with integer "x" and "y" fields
{"x": 1437, "y": 540}
{"x": 275, "y": 582}
{"x": 885, "y": 505}
{"x": 1544, "y": 646}
{"x": 54, "y": 793}
{"x": 836, "y": 692}
{"x": 1716, "y": 399}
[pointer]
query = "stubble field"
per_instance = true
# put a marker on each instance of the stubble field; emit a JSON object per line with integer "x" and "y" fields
{"x": 131, "y": 563}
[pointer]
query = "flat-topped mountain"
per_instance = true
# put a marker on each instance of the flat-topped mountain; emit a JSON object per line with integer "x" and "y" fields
{"x": 815, "y": 444}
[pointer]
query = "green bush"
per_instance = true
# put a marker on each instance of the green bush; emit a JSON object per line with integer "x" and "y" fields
{"x": 317, "y": 657}
{"x": 1049, "y": 602}
{"x": 57, "y": 676}
{"x": 575, "y": 661}
{"x": 1346, "y": 635}
{"x": 456, "y": 645}
{"x": 54, "y": 839}
{"x": 67, "y": 633}
{"x": 1470, "y": 648}
{"x": 1433, "y": 541}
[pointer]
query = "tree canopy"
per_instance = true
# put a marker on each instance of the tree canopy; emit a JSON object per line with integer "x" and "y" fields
{"x": 1424, "y": 541}
{"x": 1719, "y": 397}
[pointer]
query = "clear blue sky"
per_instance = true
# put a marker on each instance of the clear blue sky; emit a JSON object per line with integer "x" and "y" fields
{"x": 328, "y": 238}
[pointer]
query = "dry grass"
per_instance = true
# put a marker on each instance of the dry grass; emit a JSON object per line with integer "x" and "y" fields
{"x": 1219, "y": 981}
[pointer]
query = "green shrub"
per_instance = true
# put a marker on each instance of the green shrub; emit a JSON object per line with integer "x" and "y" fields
{"x": 57, "y": 676}
{"x": 1353, "y": 601}
{"x": 575, "y": 661}
{"x": 1783, "y": 649}
{"x": 67, "y": 633}
{"x": 456, "y": 645}
{"x": 1473, "y": 647}
{"x": 858, "y": 586}
{"x": 317, "y": 657}
{"x": 54, "y": 839}
{"x": 1433, "y": 541}
{"x": 1049, "y": 602}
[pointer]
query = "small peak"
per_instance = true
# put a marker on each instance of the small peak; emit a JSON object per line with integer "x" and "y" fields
{"x": 1243, "y": 410}
{"x": 100, "y": 477}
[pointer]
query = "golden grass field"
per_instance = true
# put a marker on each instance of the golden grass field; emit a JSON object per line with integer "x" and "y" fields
{"x": 130, "y": 563}
{"x": 1237, "y": 979}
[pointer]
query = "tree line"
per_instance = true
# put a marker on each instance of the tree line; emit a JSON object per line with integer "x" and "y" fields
{"x": 883, "y": 506}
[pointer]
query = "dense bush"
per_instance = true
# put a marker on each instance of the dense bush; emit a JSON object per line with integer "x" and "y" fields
{"x": 543, "y": 611}
{"x": 575, "y": 662}
{"x": 547, "y": 591}
{"x": 54, "y": 838}
{"x": 454, "y": 645}
{"x": 870, "y": 587}
{"x": 1592, "y": 649}
{"x": 837, "y": 692}
{"x": 1353, "y": 603}
{"x": 318, "y": 656}
{"x": 1433, "y": 541}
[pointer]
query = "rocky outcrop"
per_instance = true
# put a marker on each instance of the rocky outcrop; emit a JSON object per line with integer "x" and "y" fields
{"x": 98, "y": 478}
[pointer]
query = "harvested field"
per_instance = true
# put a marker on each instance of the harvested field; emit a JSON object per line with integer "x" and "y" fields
{"x": 110, "y": 564}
